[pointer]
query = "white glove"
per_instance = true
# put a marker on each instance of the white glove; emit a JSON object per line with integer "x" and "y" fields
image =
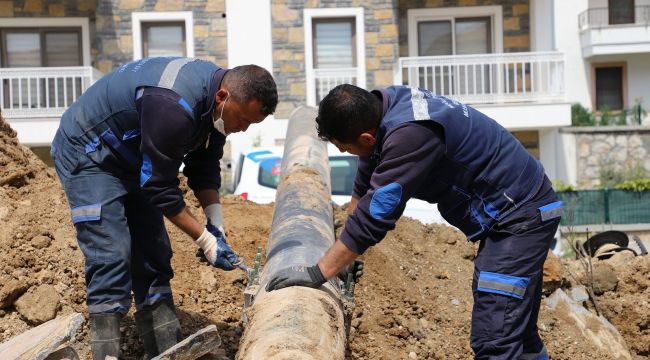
{"x": 216, "y": 250}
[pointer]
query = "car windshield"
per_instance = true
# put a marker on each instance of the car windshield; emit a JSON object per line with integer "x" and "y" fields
{"x": 343, "y": 170}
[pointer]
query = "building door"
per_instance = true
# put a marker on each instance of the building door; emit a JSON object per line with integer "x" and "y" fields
{"x": 621, "y": 11}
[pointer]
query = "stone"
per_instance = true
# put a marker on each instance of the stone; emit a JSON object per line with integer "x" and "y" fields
{"x": 372, "y": 38}
{"x": 44, "y": 340}
{"x": 296, "y": 35}
{"x": 4, "y": 211}
{"x": 281, "y": 13}
{"x": 56, "y": 10}
{"x": 383, "y": 14}
{"x": 516, "y": 41}
{"x": 519, "y": 9}
{"x": 388, "y": 31}
{"x": 6, "y": 8}
{"x": 168, "y": 5}
{"x": 10, "y": 291}
{"x": 384, "y": 50}
{"x": 131, "y": 4}
{"x": 467, "y": 3}
{"x": 200, "y": 343}
{"x": 371, "y": 64}
{"x": 201, "y": 31}
{"x": 298, "y": 89}
{"x": 41, "y": 241}
{"x": 85, "y": 5}
{"x": 511, "y": 24}
{"x": 207, "y": 278}
{"x": 39, "y": 305}
{"x": 289, "y": 68}
{"x": 33, "y": 6}
{"x": 455, "y": 302}
{"x": 413, "y": 355}
{"x": 605, "y": 278}
{"x": 595, "y": 330}
{"x": 552, "y": 273}
{"x": 579, "y": 294}
{"x": 383, "y": 78}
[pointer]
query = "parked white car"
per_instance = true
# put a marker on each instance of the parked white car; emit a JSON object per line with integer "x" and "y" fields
{"x": 258, "y": 172}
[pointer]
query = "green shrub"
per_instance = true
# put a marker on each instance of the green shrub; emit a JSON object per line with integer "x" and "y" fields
{"x": 559, "y": 186}
{"x": 637, "y": 185}
{"x": 580, "y": 116}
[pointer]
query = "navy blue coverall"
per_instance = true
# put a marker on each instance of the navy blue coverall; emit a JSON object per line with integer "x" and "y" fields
{"x": 117, "y": 153}
{"x": 486, "y": 184}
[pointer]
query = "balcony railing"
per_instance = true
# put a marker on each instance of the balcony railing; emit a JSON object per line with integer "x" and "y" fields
{"x": 327, "y": 79}
{"x": 487, "y": 78}
{"x": 42, "y": 92}
{"x": 603, "y": 17}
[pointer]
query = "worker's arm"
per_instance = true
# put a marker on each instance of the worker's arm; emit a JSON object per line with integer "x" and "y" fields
{"x": 407, "y": 158}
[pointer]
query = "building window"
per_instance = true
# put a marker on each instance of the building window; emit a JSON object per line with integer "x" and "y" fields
{"x": 334, "y": 50}
{"x": 334, "y": 43}
{"x": 621, "y": 12}
{"x": 40, "y": 47}
{"x": 455, "y": 31}
{"x": 163, "y": 39}
{"x": 162, "y": 34}
{"x": 530, "y": 140}
{"x": 609, "y": 87}
{"x": 455, "y": 36}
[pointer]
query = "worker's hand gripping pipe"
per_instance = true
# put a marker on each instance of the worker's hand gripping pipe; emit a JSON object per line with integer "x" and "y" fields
{"x": 299, "y": 320}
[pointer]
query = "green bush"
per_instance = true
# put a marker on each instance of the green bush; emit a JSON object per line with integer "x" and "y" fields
{"x": 559, "y": 186}
{"x": 637, "y": 185}
{"x": 580, "y": 116}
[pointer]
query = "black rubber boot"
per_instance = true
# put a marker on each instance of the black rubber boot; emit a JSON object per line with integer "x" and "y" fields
{"x": 105, "y": 335}
{"x": 158, "y": 327}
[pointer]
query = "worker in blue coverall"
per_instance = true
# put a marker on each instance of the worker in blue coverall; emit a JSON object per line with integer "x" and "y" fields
{"x": 118, "y": 151}
{"x": 414, "y": 144}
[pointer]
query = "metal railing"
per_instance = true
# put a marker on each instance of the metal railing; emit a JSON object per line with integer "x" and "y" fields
{"x": 327, "y": 79}
{"x": 603, "y": 17}
{"x": 42, "y": 92}
{"x": 487, "y": 78}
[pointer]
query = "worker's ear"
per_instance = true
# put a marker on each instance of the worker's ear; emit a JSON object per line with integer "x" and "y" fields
{"x": 221, "y": 95}
{"x": 367, "y": 138}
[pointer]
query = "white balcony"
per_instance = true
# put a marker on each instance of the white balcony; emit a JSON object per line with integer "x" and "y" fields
{"x": 520, "y": 90}
{"x": 328, "y": 78}
{"x": 605, "y": 31}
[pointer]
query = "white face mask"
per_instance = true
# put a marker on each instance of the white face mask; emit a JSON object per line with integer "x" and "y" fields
{"x": 218, "y": 122}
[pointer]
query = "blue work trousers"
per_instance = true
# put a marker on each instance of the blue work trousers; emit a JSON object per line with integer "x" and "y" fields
{"x": 507, "y": 283}
{"x": 121, "y": 234}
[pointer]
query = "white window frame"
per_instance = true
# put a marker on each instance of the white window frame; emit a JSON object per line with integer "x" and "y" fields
{"x": 332, "y": 13}
{"x": 137, "y": 18}
{"x": 67, "y": 22}
{"x": 432, "y": 14}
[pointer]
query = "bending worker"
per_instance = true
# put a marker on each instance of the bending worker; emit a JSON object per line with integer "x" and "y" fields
{"x": 117, "y": 153}
{"x": 413, "y": 144}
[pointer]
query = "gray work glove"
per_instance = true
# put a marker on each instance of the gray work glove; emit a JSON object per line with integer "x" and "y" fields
{"x": 297, "y": 276}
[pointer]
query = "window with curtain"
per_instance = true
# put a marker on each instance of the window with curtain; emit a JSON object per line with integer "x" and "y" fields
{"x": 334, "y": 53}
{"x": 455, "y": 36}
{"x": 609, "y": 88}
{"x": 163, "y": 39}
{"x": 334, "y": 43}
{"x": 39, "y": 47}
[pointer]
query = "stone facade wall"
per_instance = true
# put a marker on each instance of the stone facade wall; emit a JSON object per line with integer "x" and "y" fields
{"x": 114, "y": 40}
{"x": 516, "y": 20}
{"x": 622, "y": 148}
{"x": 289, "y": 45}
{"x": 386, "y": 32}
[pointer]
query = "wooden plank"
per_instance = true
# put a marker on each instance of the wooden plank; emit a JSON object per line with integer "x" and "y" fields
{"x": 200, "y": 343}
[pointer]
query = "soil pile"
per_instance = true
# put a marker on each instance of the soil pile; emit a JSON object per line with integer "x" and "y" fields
{"x": 413, "y": 302}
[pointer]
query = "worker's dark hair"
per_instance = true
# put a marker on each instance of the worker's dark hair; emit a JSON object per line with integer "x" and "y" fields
{"x": 346, "y": 112}
{"x": 248, "y": 82}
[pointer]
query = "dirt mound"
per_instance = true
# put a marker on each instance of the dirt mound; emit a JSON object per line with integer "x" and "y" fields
{"x": 414, "y": 300}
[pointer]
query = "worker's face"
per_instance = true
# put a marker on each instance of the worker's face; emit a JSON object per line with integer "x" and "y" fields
{"x": 237, "y": 116}
{"x": 364, "y": 146}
